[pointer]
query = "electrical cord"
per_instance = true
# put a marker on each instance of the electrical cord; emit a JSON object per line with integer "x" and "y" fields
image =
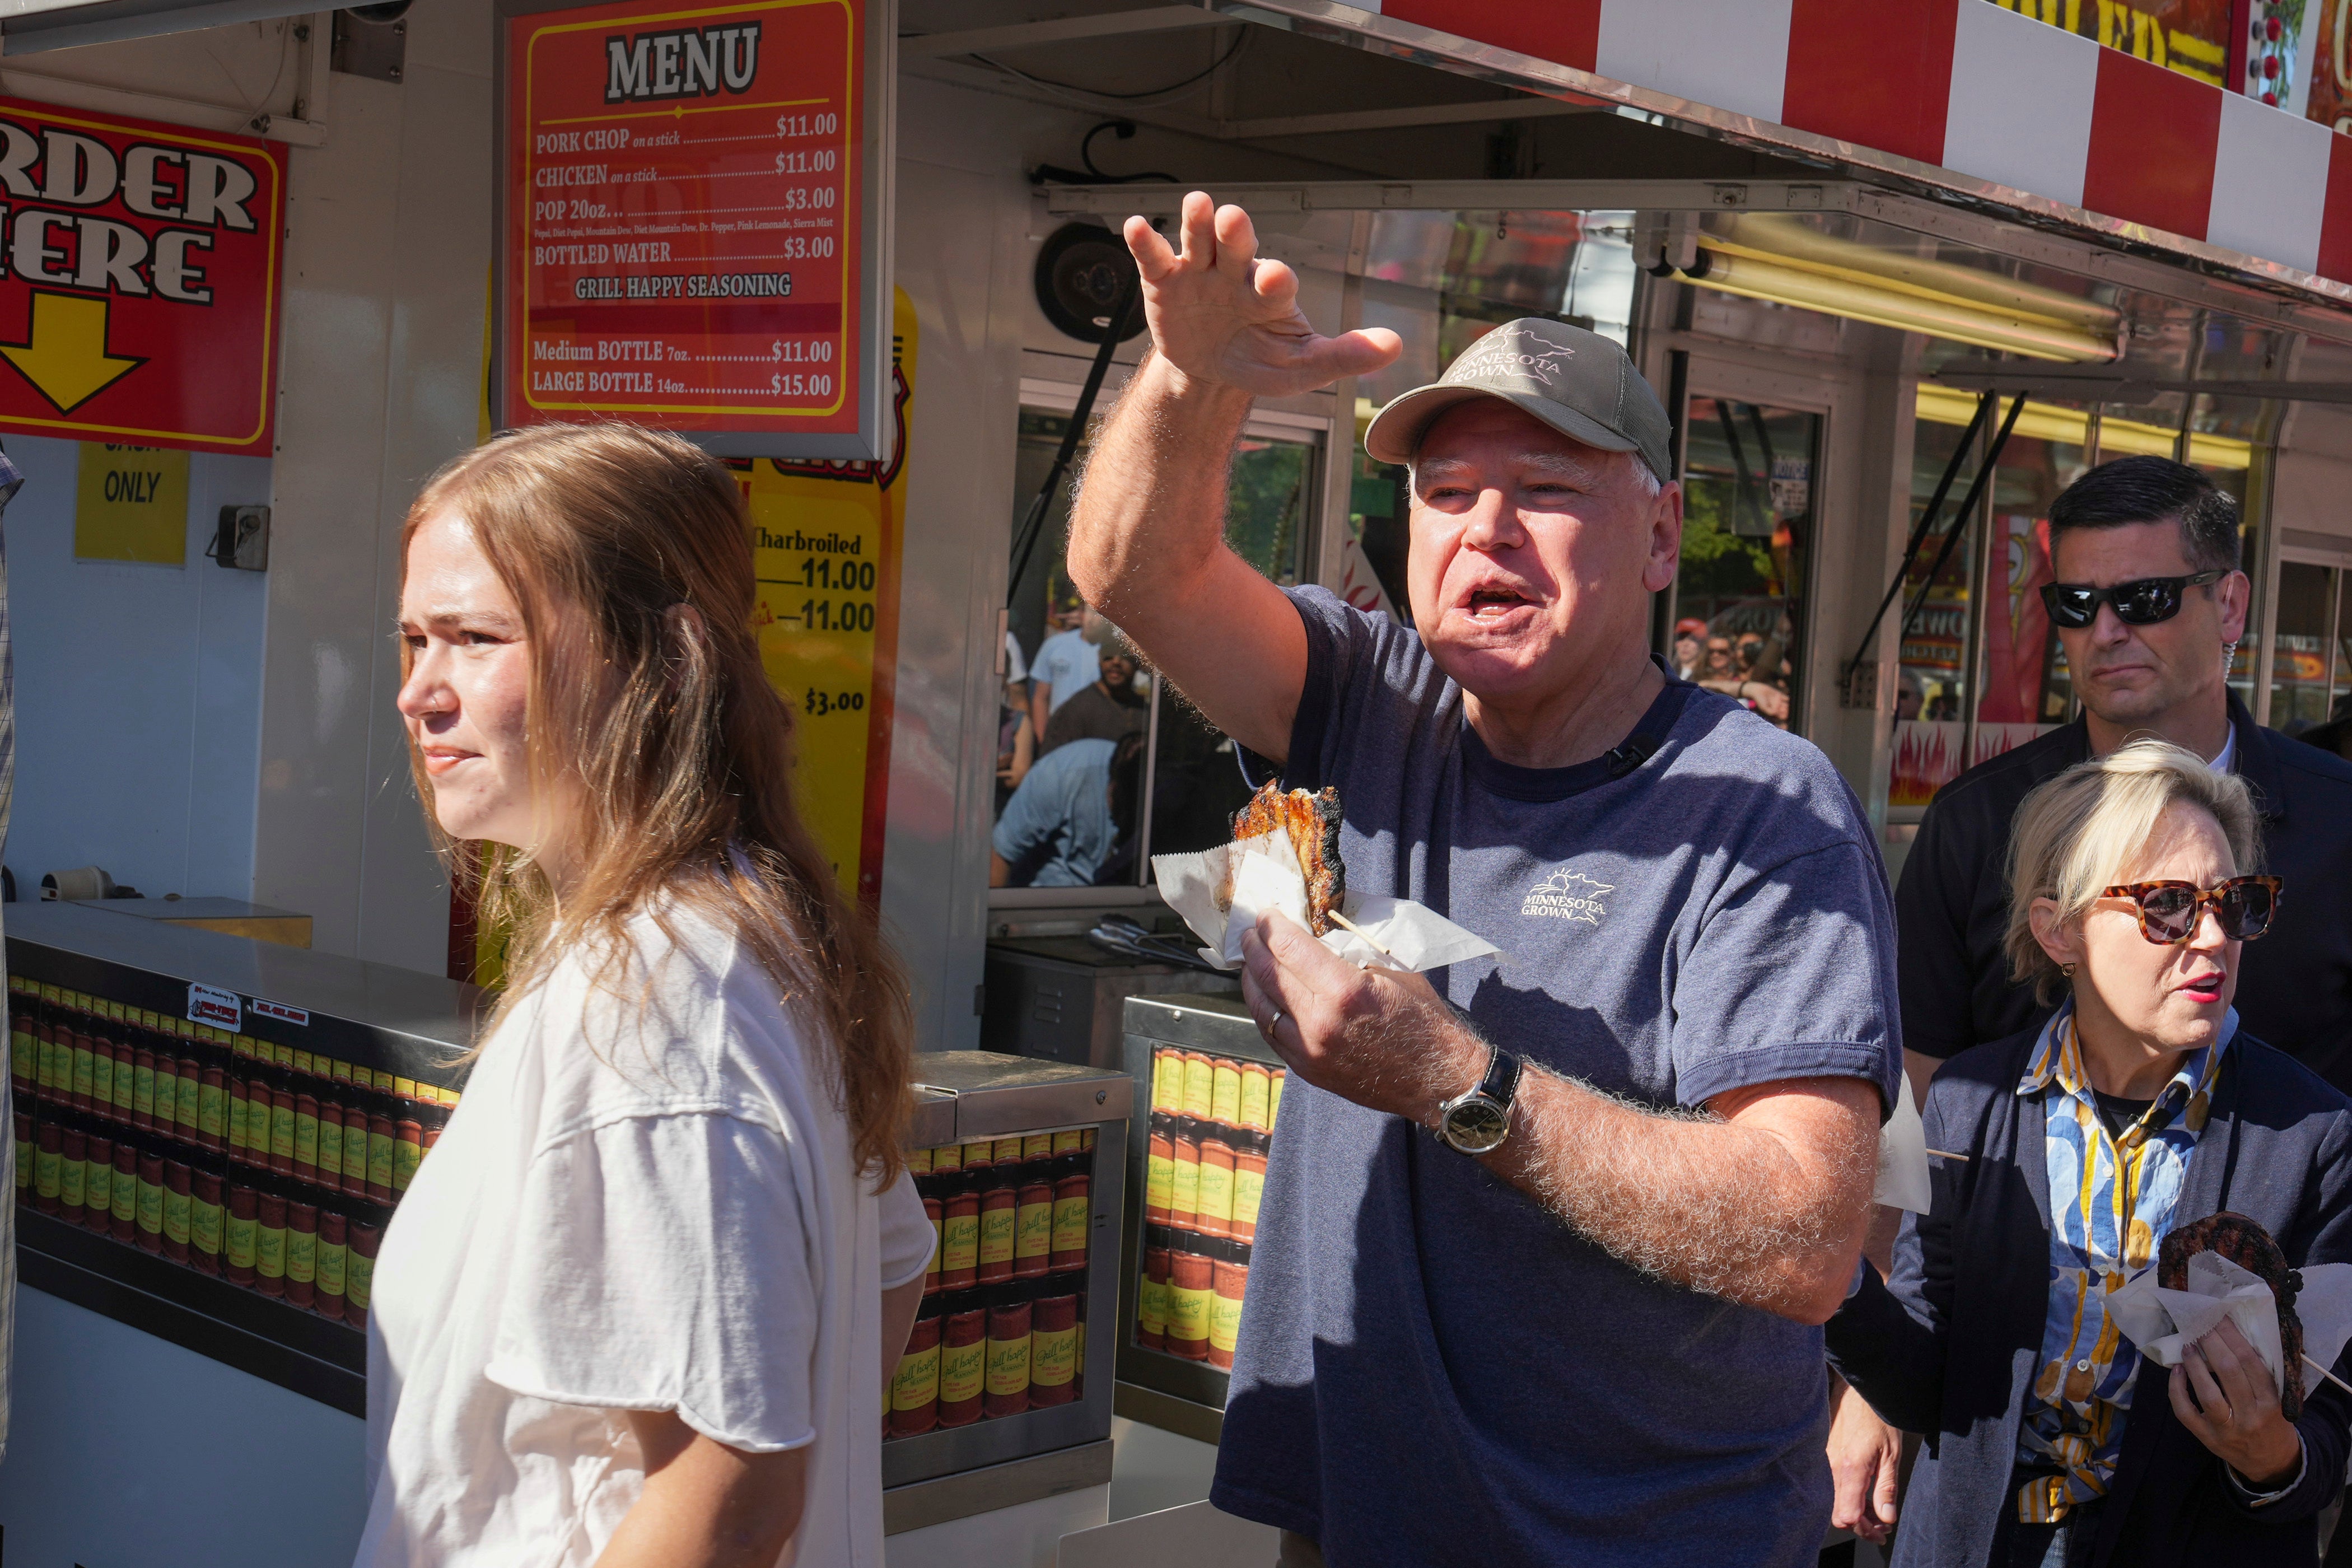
{"x": 1239, "y": 43}
{"x": 1125, "y": 129}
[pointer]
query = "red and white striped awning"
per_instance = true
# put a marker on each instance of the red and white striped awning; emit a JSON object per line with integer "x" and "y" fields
{"x": 1961, "y": 94}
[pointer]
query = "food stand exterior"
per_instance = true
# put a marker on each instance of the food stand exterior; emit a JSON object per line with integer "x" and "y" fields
{"x": 1805, "y": 266}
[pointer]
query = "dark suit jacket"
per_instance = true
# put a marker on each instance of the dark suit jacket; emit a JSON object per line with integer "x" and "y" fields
{"x": 1949, "y": 1347}
{"x": 1951, "y": 906}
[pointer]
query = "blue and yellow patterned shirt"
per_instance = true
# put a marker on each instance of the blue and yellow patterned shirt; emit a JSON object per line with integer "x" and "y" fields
{"x": 2111, "y": 1200}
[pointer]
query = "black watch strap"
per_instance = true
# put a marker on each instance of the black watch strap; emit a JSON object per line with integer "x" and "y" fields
{"x": 1502, "y": 1080}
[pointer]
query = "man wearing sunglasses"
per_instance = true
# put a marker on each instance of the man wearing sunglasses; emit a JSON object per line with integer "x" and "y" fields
{"x": 2149, "y": 604}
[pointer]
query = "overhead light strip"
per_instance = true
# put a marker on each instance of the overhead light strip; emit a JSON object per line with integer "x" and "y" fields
{"x": 2071, "y": 427}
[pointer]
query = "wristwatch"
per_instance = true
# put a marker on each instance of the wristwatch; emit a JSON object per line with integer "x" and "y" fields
{"x": 1477, "y": 1121}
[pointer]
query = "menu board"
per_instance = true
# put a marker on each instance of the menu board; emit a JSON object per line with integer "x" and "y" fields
{"x": 684, "y": 225}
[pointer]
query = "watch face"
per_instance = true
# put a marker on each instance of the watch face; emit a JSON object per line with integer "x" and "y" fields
{"x": 1477, "y": 1125}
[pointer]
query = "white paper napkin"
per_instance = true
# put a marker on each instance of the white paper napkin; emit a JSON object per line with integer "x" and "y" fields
{"x": 2164, "y": 1323}
{"x": 1267, "y": 875}
{"x": 1902, "y": 1154}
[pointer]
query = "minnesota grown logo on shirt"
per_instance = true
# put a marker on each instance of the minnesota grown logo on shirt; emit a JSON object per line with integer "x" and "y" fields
{"x": 1568, "y": 894}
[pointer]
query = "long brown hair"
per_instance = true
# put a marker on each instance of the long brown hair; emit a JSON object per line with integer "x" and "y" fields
{"x": 681, "y": 749}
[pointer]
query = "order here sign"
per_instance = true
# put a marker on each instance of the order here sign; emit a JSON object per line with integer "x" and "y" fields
{"x": 139, "y": 277}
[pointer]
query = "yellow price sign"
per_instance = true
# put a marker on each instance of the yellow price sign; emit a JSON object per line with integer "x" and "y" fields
{"x": 130, "y": 503}
{"x": 824, "y": 542}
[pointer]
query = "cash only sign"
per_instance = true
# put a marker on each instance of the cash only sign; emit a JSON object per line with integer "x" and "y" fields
{"x": 139, "y": 280}
{"x": 692, "y": 207}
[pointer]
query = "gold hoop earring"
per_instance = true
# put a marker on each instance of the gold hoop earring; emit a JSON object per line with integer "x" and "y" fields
{"x": 2067, "y": 970}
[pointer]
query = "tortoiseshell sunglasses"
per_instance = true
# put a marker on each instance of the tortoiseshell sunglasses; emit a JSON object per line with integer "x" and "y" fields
{"x": 2168, "y": 911}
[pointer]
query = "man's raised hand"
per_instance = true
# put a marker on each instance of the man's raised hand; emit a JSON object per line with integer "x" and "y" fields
{"x": 1219, "y": 315}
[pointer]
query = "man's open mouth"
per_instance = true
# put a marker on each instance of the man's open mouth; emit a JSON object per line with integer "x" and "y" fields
{"x": 1488, "y": 603}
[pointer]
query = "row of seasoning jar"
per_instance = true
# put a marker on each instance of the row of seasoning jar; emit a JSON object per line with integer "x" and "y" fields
{"x": 1007, "y": 1208}
{"x": 1204, "y": 1177}
{"x": 190, "y": 1206}
{"x": 1230, "y": 1091}
{"x": 986, "y": 1353}
{"x": 346, "y": 1127}
{"x": 1189, "y": 1301}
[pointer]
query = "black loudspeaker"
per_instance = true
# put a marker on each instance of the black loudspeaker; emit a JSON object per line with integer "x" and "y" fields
{"x": 1081, "y": 268}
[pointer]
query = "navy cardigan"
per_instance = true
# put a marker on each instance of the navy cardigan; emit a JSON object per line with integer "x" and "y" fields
{"x": 1949, "y": 1347}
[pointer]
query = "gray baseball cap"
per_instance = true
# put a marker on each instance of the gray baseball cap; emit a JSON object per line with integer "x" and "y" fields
{"x": 1578, "y": 383}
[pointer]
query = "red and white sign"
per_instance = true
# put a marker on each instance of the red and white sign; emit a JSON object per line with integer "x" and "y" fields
{"x": 683, "y": 218}
{"x": 138, "y": 274}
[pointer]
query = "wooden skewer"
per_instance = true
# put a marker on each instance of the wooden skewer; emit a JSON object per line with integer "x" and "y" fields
{"x": 1948, "y": 1155}
{"x": 1344, "y": 923}
{"x": 2330, "y": 1376}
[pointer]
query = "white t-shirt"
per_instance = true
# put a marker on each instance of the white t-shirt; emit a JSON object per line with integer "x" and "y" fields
{"x": 1067, "y": 664}
{"x": 647, "y": 1206}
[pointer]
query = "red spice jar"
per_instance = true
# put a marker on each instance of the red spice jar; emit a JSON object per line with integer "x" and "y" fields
{"x": 24, "y": 1049}
{"x": 179, "y": 1191}
{"x": 85, "y": 1064}
{"x": 1249, "y": 1187}
{"x": 305, "y": 1136}
{"x": 73, "y": 1173}
{"x": 101, "y": 1073}
{"x": 301, "y": 1253}
{"x": 915, "y": 1388}
{"x": 1232, "y": 1277}
{"x": 407, "y": 1151}
{"x": 1032, "y": 1233}
{"x": 1200, "y": 1087}
{"x": 1072, "y": 1217}
{"x": 269, "y": 1245}
{"x": 1008, "y": 1360}
{"x": 243, "y": 1235}
{"x": 960, "y": 1242}
{"x": 935, "y": 1212}
{"x": 206, "y": 1223}
{"x": 1256, "y": 1091}
{"x": 150, "y": 1202}
{"x": 211, "y": 1108}
{"x": 330, "y": 1145}
{"x": 1192, "y": 1286}
{"x": 124, "y": 1227}
{"x": 98, "y": 1186}
{"x": 1000, "y": 1209}
{"x": 1214, "y": 1208}
{"x": 1151, "y": 1301}
{"x": 163, "y": 1098}
{"x": 188, "y": 1117}
{"x": 1184, "y": 1198}
{"x": 359, "y": 1280}
{"x": 963, "y": 1366}
{"x": 1053, "y": 1352}
{"x": 240, "y": 1119}
{"x": 282, "y": 1131}
{"x": 142, "y": 1088}
{"x": 380, "y": 1158}
{"x": 1158, "y": 1174}
{"x": 334, "y": 1264}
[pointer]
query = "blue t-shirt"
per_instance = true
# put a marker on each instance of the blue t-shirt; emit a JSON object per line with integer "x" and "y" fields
{"x": 1433, "y": 1369}
{"x": 1056, "y": 829}
{"x": 1067, "y": 664}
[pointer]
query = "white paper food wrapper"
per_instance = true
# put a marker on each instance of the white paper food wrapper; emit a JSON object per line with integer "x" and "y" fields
{"x": 2163, "y": 1323}
{"x": 1266, "y": 877}
{"x": 1903, "y": 1155}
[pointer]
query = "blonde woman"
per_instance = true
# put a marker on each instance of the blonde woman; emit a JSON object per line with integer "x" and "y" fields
{"x": 2071, "y": 1150}
{"x": 635, "y": 1309}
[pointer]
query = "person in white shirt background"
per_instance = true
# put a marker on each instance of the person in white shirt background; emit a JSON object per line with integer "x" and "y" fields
{"x": 636, "y": 1308}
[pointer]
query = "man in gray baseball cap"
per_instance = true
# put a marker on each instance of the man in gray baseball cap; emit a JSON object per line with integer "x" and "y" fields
{"x": 1542, "y": 1246}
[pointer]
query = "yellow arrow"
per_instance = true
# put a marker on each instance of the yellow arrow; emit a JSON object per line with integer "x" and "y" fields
{"x": 64, "y": 352}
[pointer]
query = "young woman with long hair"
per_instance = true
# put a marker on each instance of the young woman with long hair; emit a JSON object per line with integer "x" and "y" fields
{"x": 637, "y": 1308}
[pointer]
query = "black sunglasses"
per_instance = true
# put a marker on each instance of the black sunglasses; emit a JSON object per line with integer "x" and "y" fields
{"x": 2141, "y": 604}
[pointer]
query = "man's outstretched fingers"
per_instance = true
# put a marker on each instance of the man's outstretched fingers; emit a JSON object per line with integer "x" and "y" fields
{"x": 1198, "y": 225}
{"x": 1152, "y": 255}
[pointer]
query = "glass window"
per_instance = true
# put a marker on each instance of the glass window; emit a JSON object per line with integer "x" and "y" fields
{"x": 1099, "y": 765}
{"x": 2302, "y": 680}
{"x": 1931, "y": 672}
{"x": 1747, "y": 523}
